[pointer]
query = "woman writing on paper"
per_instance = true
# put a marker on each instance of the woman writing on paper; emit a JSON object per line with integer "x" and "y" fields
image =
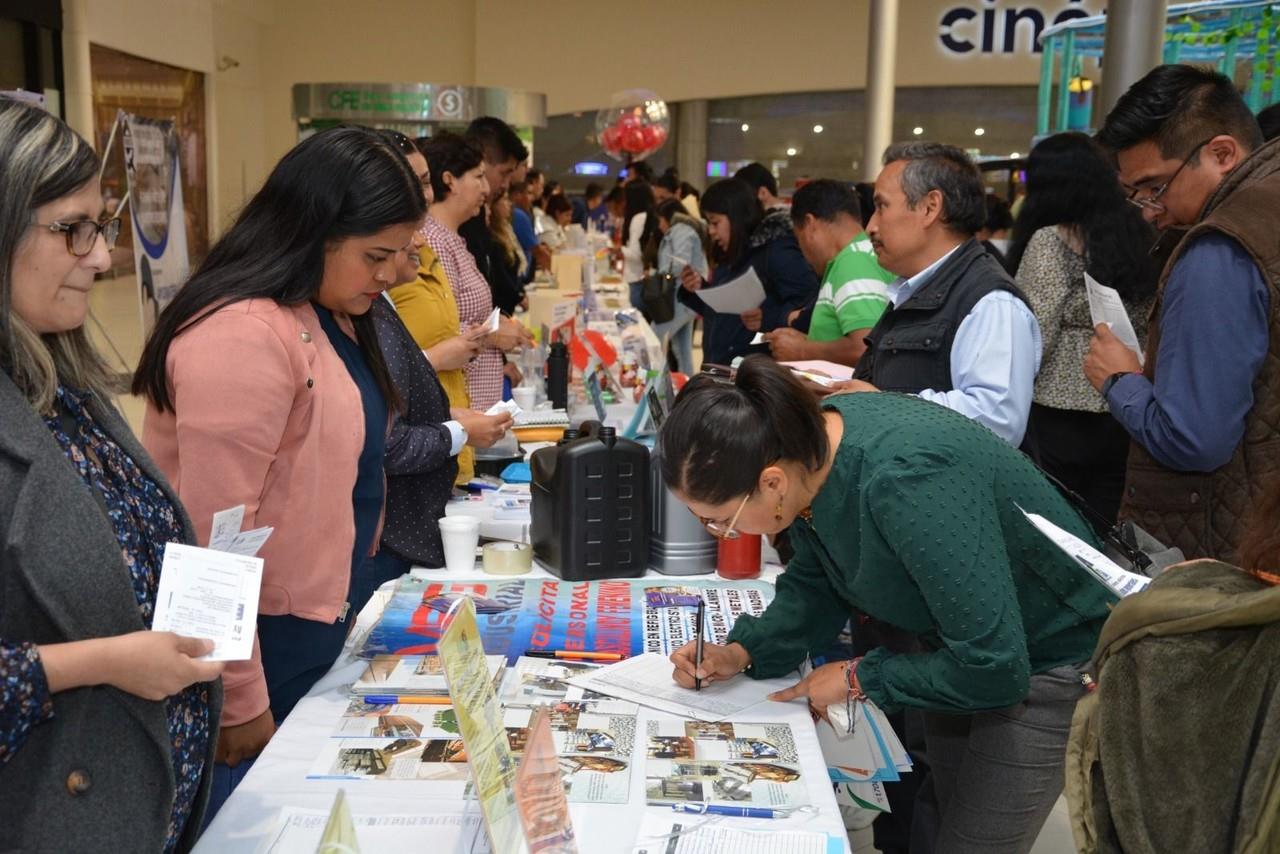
{"x": 106, "y": 728}
{"x": 907, "y": 513}
{"x": 266, "y": 387}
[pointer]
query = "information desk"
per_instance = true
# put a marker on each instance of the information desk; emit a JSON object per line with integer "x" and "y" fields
{"x": 278, "y": 778}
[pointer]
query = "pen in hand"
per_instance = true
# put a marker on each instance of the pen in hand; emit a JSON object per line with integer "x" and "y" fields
{"x": 697, "y": 653}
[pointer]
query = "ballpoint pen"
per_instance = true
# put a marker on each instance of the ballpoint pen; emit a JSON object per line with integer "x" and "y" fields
{"x": 697, "y": 652}
{"x": 393, "y": 700}
{"x": 739, "y": 812}
{"x": 573, "y": 654}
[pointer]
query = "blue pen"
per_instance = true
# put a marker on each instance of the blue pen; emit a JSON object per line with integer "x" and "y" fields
{"x": 738, "y": 812}
{"x": 392, "y": 700}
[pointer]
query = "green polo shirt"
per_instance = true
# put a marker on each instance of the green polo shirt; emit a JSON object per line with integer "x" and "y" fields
{"x": 918, "y": 526}
{"x": 853, "y": 293}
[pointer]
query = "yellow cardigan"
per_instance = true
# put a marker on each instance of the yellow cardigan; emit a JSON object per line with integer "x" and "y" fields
{"x": 427, "y": 307}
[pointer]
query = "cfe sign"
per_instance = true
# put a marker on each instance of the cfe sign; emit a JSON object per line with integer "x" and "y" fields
{"x": 992, "y": 27}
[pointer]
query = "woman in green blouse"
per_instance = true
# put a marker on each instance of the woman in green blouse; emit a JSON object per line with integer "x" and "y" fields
{"x": 908, "y": 513}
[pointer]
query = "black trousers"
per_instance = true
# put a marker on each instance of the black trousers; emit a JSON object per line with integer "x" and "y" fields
{"x": 1087, "y": 451}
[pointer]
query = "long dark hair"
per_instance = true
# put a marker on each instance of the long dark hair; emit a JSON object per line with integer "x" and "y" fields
{"x": 737, "y": 200}
{"x": 1070, "y": 182}
{"x": 638, "y": 199}
{"x": 721, "y": 434}
{"x": 341, "y": 183}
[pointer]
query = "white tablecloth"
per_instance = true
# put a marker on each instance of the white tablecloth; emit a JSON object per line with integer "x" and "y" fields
{"x": 278, "y": 778}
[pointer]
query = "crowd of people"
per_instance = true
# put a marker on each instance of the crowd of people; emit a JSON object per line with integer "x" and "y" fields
{"x": 329, "y": 365}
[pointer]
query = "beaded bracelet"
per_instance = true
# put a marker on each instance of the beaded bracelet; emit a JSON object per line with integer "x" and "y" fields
{"x": 855, "y": 694}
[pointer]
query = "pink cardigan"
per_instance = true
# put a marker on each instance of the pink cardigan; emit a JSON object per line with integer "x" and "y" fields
{"x": 266, "y": 415}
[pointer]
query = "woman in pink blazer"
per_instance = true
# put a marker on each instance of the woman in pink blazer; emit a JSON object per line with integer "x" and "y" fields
{"x": 266, "y": 387}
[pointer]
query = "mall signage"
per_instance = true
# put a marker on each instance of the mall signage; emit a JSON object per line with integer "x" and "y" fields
{"x": 992, "y": 27}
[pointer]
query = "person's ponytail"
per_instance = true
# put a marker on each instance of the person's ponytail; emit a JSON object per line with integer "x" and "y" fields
{"x": 721, "y": 434}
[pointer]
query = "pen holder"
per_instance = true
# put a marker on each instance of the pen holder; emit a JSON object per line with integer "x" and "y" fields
{"x": 739, "y": 558}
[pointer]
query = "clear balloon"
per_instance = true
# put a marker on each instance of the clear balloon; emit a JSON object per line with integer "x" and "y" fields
{"x": 635, "y": 125}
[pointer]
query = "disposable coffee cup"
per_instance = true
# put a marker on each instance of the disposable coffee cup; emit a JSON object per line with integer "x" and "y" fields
{"x": 460, "y": 536}
{"x": 526, "y": 397}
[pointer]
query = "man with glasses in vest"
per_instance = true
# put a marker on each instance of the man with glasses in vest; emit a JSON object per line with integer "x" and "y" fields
{"x": 1204, "y": 409}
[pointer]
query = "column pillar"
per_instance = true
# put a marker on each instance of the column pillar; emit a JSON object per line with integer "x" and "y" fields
{"x": 691, "y": 142}
{"x": 77, "y": 74}
{"x": 1134, "y": 45}
{"x": 882, "y": 53}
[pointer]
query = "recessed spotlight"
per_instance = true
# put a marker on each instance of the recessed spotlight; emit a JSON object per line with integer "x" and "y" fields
{"x": 791, "y": 152}
{"x": 978, "y": 131}
{"x": 745, "y": 127}
{"x": 917, "y": 130}
{"x": 817, "y": 128}
{"x": 1015, "y": 155}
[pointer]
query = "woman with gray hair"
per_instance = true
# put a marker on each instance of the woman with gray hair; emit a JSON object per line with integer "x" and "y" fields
{"x": 105, "y": 726}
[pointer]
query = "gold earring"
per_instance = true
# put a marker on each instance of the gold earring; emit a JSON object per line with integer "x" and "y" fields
{"x": 777, "y": 514}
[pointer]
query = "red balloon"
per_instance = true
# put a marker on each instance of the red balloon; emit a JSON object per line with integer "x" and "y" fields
{"x": 629, "y": 120}
{"x": 633, "y": 140}
{"x": 659, "y": 135}
{"x": 610, "y": 138}
{"x": 650, "y": 134}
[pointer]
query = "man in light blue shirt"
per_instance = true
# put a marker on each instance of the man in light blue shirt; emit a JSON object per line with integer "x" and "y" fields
{"x": 958, "y": 331}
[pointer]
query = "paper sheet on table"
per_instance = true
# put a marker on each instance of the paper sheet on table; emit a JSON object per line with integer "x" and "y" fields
{"x": 226, "y": 536}
{"x": 1106, "y": 307}
{"x": 696, "y": 834}
{"x": 646, "y": 679}
{"x": 737, "y": 295}
{"x": 1119, "y": 581}
{"x": 204, "y": 593}
{"x": 299, "y": 831}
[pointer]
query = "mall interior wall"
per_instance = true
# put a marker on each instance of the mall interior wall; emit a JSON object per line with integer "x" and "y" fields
{"x": 577, "y": 52}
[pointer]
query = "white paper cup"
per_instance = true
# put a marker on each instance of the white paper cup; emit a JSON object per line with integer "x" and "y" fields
{"x": 526, "y": 397}
{"x": 460, "y": 536}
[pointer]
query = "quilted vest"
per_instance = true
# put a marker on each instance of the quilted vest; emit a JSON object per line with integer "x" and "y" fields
{"x": 1204, "y": 513}
{"x": 909, "y": 349}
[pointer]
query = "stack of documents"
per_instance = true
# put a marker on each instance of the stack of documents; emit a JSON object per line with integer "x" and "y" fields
{"x": 861, "y": 758}
{"x": 412, "y": 676}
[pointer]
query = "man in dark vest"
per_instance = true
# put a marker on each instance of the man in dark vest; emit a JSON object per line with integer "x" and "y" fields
{"x": 958, "y": 331}
{"x": 1204, "y": 409}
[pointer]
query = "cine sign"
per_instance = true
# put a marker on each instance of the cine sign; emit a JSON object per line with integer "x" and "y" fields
{"x": 994, "y": 29}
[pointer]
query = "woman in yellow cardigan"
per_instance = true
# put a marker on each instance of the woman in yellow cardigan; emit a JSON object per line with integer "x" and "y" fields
{"x": 427, "y": 307}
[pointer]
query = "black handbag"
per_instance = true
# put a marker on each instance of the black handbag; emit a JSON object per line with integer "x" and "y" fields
{"x": 658, "y": 296}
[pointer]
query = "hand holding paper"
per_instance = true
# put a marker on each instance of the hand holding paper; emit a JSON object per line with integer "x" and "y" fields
{"x": 1105, "y": 306}
{"x": 209, "y": 594}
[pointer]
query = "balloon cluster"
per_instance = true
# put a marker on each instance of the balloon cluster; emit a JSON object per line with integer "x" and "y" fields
{"x": 634, "y": 127}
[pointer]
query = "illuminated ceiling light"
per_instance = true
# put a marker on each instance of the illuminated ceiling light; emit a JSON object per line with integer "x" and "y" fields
{"x": 745, "y": 127}
{"x": 791, "y": 152}
{"x": 1015, "y": 155}
{"x": 817, "y": 128}
{"x": 917, "y": 131}
{"x": 978, "y": 131}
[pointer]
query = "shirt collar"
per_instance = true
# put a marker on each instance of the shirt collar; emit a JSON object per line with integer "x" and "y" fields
{"x": 903, "y": 289}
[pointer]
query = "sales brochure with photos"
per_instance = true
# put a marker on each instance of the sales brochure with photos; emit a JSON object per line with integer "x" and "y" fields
{"x": 733, "y": 764}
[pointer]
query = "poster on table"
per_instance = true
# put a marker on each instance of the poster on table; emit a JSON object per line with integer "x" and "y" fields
{"x": 156, "y": 211}
{"x": 625, "y": 616}
{"x": 730, "y": 764}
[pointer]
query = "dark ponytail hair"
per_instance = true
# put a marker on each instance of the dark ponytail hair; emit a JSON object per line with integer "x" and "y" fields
{"x": 722, "y": 433}
{"x": 343, "y": 182}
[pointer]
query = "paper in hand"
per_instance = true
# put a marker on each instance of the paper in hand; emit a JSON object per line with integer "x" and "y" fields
{"x": 1105, "y": 306}
{"x": 494, "y": 320}
{"x": 758, "y": 339}
{"x": 1120, "y": 582}
{"x": 209, "y": 594}
{"x": 736, "y": 296}
{"x": 226, "y": 535}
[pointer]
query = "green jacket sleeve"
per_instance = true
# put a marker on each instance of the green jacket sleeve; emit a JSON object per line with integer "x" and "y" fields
{"x": 805, "y": 615}
{"x": 939, "y": 517}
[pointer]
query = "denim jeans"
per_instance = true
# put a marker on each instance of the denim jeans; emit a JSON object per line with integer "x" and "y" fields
{"x": 994, "y": 776}
{"x": 680, "y": 328}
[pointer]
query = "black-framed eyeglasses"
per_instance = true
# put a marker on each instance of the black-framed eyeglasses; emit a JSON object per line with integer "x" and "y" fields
{"x": 1152, "y": 201}
{"x": 82, "y": 234}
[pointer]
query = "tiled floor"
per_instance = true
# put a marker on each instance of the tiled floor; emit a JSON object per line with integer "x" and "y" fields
{"x": 1055, "y": 838}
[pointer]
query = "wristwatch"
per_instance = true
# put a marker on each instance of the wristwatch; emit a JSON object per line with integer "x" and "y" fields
{"x": 1110, "y": 381}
